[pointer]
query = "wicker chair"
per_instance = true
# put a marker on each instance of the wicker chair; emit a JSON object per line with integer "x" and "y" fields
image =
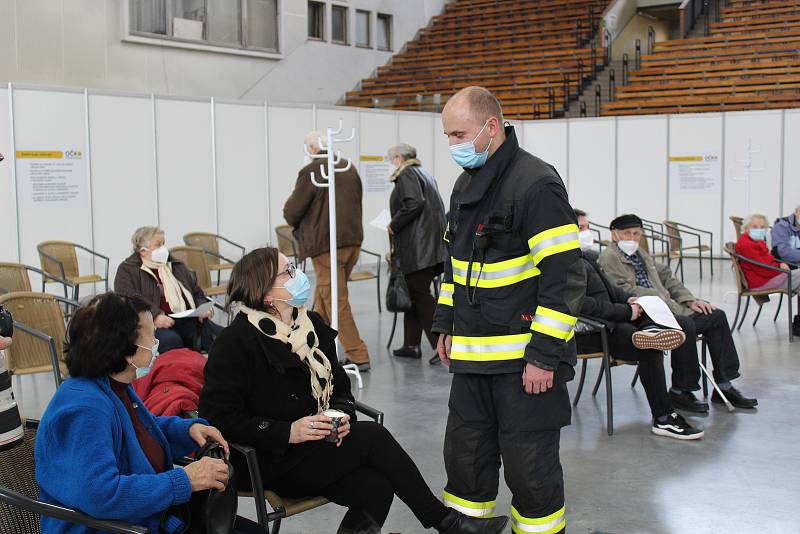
{"x": 760, "y": 296}
{"x": 738, "y": 222}
{"x": 19, "y": 505}
{"x": 210, "y": 243}
{"x": 40, "y": 317}
{"x": 195, "y": 259}
{"x": 677, "y": 233}
{"x": 15, "y": 277}
{"x": 60, "y": 259}
{"x": 288, "y": 245}
{"x": 283, "y": 507}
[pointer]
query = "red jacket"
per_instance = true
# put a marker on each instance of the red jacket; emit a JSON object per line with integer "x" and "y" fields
{"x": 174, "y": 383}
{"x": 756, "y": 275}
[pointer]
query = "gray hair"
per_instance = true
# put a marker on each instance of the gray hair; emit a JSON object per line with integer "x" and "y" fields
{"x": 403, "y": 150}
{"x": 142, "y": 236}
{"x": 755, "y": 216}
{"x": 312, "y": 140}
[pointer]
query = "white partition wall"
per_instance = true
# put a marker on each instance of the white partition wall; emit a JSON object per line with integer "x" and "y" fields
{"x": 9, "y": 233}
{"x": 790, "y": 190}
{"x": 123, "y": 172}
{"x": 547, "y": 140}
{"x": 420, "y": 131}
{"x": 241, "y": 175}
{"x": 592, "y": 168}
{"x": 378, "y": 132}
{"x": 642, "y": 159}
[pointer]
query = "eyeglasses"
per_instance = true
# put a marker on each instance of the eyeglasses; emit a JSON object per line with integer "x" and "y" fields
{"x": 291, "y": 270}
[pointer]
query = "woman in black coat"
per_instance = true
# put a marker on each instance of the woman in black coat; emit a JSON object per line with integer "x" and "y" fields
{"x": 270, "y": 376}
{"x": 417, "y": 226}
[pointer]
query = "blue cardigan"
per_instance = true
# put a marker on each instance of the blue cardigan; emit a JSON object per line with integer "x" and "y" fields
{"x": 88, "y": 458}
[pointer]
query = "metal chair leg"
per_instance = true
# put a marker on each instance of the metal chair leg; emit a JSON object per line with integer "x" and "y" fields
{"x": 391, "y": 336}
{"x": 635, "y": 377}
{"x": 580, "y": 384}
{"x": 380, "y": 310}
{"x": 609, "y": 401}
{"x": 599, "y": 379}
{"x": 703, "y": 353}
{"x": 276, "y": 526}
{"x": 744, "y": 314}
{"x": 789, "y": 315}
{"x": 736, "y": 317}
{"x": 778, "y": 311}
{"x": 758, "y": 314}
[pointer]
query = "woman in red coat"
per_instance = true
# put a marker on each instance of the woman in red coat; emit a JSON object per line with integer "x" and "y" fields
{"x": 752, "y": 244}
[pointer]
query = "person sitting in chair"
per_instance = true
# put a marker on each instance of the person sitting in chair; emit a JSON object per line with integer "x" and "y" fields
{"x": 786, "y": 238}
{"x": 270, "y": 376}
{"x": 168, "y": 286}
{"x": 634, "y": 271}
{"x": 624, "y": 319}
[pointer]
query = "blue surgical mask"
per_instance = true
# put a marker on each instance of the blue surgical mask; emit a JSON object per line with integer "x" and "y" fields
{"x": 757, "y": 234}
{"x": 144, "y": 371}
{"x": 466, "y": 155}
{"x": 300, "y": 289}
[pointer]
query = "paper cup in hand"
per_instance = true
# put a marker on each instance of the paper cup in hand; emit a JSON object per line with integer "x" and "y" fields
{"x": 336, "y": 421}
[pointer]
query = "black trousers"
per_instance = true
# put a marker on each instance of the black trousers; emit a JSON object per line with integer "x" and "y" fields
{"x": 651, "y": 364}
{"x": 714, "y": 327}
{"x": 491, "y": 417}
{"x": 420, "y": 317}
{"x": 184, "y": 334}
{"x": 364, "y": 474}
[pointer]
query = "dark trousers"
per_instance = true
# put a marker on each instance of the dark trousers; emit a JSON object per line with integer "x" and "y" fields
{"x": 188, "y": 333}
{"x": 364, "y": 474}
{"x": 651, "y": 364}
{"x": 714, "y": 327}
{"x": 491, "y": 417}
{"x": 420, "y": 317}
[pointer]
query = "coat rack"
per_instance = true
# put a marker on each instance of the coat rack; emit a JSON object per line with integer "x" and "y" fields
{"x": 329, "y": 176}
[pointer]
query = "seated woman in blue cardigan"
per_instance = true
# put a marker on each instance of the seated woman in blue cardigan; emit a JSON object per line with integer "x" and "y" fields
{"x": 98, "y": 449}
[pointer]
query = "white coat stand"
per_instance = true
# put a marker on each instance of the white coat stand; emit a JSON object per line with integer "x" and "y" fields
{"x": 329, "y": 175}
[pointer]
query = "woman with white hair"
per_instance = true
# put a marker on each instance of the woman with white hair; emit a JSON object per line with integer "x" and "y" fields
{"x": 168, "y": 286}
{"x": 417, "y": 226}
{"x": 752, "y": 244}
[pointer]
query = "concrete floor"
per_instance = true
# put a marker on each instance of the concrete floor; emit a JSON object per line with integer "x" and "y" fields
{"x": 744, "y": 476}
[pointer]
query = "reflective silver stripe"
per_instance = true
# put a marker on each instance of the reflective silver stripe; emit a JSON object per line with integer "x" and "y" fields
{"x": 484, "y": 512}
{"x": 445, "y": 293}
{"x": 546, "y": 528}
{"x": 557, "y": 240}
{"x": 553, "y": 323}
{"x": 496, "y": 275}
{"x": 479, "y": 349}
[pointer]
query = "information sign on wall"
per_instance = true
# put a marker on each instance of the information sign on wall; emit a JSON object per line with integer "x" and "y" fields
{"x": 695, "y": 173}
{"x": 52, "y": 178}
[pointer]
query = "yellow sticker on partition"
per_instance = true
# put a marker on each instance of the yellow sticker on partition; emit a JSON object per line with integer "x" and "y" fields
{"x": 40, "y": 154}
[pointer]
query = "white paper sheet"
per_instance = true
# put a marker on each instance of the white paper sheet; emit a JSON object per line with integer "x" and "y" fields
{"x": 658, "y": 311}
{"x": 197, "y": 312}
{"x": 382, "y": 220}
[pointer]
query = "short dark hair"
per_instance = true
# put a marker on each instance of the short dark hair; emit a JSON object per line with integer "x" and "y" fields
{"x": 579, "y": 212}
{"x": 102, "y": 334}
{"x": 252, "y": 277}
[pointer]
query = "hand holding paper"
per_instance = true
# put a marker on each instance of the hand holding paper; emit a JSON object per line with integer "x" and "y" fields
{"x": 658, "y": 311}
{"x": 197, "y": 312}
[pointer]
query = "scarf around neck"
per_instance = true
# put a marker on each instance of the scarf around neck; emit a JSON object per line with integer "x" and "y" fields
{"x": 403, "y": 166}
{"x": 303, "y": 341}
{"x": 177, "y": 296}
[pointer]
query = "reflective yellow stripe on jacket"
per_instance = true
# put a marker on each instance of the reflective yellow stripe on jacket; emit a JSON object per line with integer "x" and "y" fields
{"x": 470, "y": 508}
{"x": 489, "y": 348}
{"x": 541, "y": 525}
{"x": 554, "y": 323}
{"x": 498, "y": 274}
{"x": 446, "y": 294}
{"x": 553, "y": 241}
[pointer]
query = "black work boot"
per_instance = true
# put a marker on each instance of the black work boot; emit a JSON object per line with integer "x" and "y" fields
{"x": 457, "y": 523}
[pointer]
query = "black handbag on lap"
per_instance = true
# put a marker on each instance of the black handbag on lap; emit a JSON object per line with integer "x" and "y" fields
{"x": 209, "y": 511}
{"x": 398, "y": 297}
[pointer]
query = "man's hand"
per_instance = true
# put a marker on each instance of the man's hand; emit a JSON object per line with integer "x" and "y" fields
{"x": 5, "y": 342}
{"x": 636, "y": 311}
{"x": 536, "y": 380}
{"x": 164, "y": 321}
{"x": 701, "y": 307}
{"x": 443, "y": 347}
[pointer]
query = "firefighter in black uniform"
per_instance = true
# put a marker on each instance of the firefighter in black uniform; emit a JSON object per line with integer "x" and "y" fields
{"x": 506, "y": 314}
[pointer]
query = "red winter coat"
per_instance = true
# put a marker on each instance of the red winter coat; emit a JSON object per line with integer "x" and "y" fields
{"x": 756, "y": 275}
{"x": 173, "y": 384}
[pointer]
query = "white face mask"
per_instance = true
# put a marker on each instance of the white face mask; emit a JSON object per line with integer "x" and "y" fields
{"x": 586, "y": 239}
{"x": 160, "y": 255}
{"x": 628, "y": 247}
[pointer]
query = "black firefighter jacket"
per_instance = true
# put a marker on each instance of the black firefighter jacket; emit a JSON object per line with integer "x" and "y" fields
{"x": 513, "y": 287}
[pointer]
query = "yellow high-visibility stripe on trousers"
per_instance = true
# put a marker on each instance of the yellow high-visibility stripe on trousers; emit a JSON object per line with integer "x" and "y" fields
{"x": 540, "y": 525}
{"x": 470, "y": 508}
{"x": 497, "y": 274}
{"x": 489, "y": 348}
{"x": 553, "y": 241}
{"x": 554, "y": 323}
{"x": 446, "y": 294}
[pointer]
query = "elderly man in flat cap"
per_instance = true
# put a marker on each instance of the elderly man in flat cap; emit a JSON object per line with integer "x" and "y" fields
{"x": 634, "y": 271}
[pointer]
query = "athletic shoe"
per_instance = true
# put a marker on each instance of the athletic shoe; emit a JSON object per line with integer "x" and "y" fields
{"x": 658, "y": 339}
{"x": 686, "y": 400}
{"x": 676, "y": 427}
{"x": 736, "y": 398}
{"x": 363, "y": 367}
{"x": 408, "y": 352}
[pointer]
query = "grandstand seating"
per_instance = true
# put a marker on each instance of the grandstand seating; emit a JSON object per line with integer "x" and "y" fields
{"x": 749, "y": 60}
{"x": 534, "y": 56}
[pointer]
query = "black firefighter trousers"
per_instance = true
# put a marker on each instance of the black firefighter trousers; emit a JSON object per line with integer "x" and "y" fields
{"x": 492, "y": 417}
